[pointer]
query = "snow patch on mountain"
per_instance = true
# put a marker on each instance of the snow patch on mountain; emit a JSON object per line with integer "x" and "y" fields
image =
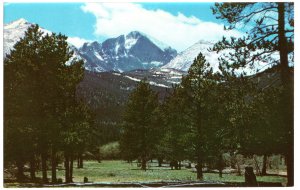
{"x": 156, "y": 84}
{"x": 156, "y": 63}
{"x": 150, "y": 82}
{"x": 98, "y": 56}
{"x": 129, "y": 42}
{"x": 117, "y": 74}
{"x": 134, "y": 79}
{"x": 117, "y": 48}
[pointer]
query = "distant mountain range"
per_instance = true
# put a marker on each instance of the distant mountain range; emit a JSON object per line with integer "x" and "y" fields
{"x": 134, "y": 56}
{"x": 134, "y": 51}
{"x": 124, "y": 53}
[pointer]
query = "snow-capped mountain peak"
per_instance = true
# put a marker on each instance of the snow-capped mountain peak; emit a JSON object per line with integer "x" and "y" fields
{"x": 90, "y": 46}
{"x": 134, "y": 34}
{"x": 17, "y": 23}
{"x": 15, "y": 30}
{"x": 158, "y": 43}
{"x": 125, "y": 53}
{"x": 184, "y": 60}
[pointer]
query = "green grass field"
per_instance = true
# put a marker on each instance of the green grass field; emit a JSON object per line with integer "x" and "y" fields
{"x": 120, "y": 171}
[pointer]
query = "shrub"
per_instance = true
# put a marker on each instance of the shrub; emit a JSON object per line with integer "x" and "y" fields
{"x": 110, "y": 151}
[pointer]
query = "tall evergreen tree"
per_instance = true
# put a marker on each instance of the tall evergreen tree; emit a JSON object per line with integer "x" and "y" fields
{"x": 140, "y": 126}
{"x": 200, "y": 85}
{"x": 75, "y": 132}
{"x": 176, "y": 118}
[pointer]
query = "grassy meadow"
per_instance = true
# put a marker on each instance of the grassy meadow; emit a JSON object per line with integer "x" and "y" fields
{"x": 121, "y": 171}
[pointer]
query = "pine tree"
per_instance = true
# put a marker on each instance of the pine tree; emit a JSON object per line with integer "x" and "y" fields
{"x": 200, "y": 85}
{"x": 140, "y": 127}
{"x": 76, "y": 130}
{"x": 175, "y": 117}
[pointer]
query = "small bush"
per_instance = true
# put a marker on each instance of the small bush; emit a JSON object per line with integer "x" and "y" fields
{"x": 110, "y": 151}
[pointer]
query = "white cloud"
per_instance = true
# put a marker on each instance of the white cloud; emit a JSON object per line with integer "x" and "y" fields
{"x": 76, "y": 41}
{"x": 180, "y": 31}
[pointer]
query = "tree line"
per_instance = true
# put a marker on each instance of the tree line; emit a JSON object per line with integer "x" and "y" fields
{"x": 204, "y": 117}
{"x": 210, "y": 113}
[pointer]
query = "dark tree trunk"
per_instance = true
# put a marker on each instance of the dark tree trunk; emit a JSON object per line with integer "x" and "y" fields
{"x": 250, "y": 178}
{"x": 67, "y": 168}
{"x": 71, "y": 168}
{"x": 239, "y": 172}
{"x": 159, "y": 162}
{"x": 53, "y": 166}
{"x": 264, "y": 168}
{"x": 44, "y": 167}
{"x": 270, "y": 165}
{"x": 144, "y": 164}
{"x": 179, "y": 165}
{"x": 176, "y": 164}
{"x": 38, "y": 164}
{"x": 290, "y": 169}
{"x": 32, "y": 168}
{"x": 220, "y": 173}
{"x": 232, "y": 161}
{"x": 220, "y": 164}
{"x": 288, "y": 100}
{"x": 20, "y": 174}
{"x": 80, "y": 161}
{"x": 256, "y": 166}
{"x": 282, "y": 43}
{"x": 199, "y": 170}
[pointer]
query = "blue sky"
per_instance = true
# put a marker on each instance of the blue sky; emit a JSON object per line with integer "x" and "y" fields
{"x": 177, "y": 24}
{"x": 67, "y": 18}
